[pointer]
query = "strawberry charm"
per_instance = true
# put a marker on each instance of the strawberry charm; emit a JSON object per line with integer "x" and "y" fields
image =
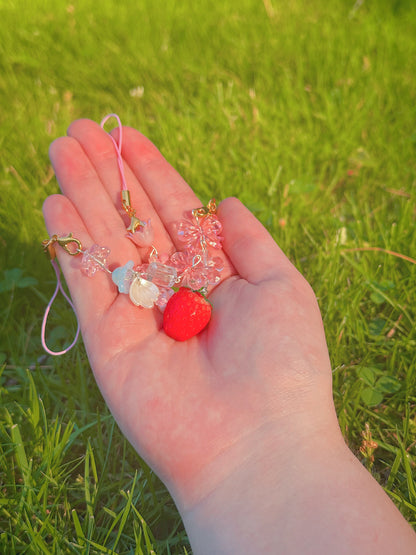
{"x": 186, "y": 314}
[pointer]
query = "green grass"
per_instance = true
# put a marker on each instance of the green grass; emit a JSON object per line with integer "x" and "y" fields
{"x": 306, "y": 111}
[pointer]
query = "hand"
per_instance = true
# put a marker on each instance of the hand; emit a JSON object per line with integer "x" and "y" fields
{"x": 262, "y": 358}
{"x": 238, "y": 421}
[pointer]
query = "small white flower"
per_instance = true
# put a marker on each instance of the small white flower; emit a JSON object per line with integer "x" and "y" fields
{"x": 143, "y": 293}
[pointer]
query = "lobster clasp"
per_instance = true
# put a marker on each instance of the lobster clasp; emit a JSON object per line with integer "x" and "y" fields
{"x": 69, "y": 243}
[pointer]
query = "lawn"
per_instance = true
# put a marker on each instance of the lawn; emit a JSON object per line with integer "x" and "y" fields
{"x": 306, "y": 111}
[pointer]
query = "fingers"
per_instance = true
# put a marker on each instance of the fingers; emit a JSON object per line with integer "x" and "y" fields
{"x": 251, "y": 249}
{"x": 87, "y": 169}
{"x": 169, "y": 194}
{"x": 101, "y": 152}
{"x": 80, "y": 183}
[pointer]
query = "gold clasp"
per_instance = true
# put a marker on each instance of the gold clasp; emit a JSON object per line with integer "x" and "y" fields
{"x": 64, "y": 242}
{"x": 208, "y": 210}
{"x": 126, "y": 202}
{"x": 135, "y": 222}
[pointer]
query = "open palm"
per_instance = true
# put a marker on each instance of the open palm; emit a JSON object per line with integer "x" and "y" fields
{"x": 185, "y": 405}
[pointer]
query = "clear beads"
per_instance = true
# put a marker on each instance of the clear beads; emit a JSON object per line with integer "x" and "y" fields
{"x": 195, "y": 267}
{"x": 164, "y": 296}
{"x": 200, "y": 232}
{"x": 152, "y": 283}
{"x": 143, "y": 236}
{"x": 197, "y": 271}
{"x": 161, "y": 274}
{"x": 94, "y": 259}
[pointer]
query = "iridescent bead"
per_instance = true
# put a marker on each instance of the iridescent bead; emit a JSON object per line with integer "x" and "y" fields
{"x": 164, "y": 296}
{"x": 198, "y": 234}
{"x": 160, "y": 274}
{"x": 123, "y": 276}
{"x": 143, "y": 236}
{"x": 93, "y": 259}
{"x": 197, "y": 271}
{"x": 214, "y": 267}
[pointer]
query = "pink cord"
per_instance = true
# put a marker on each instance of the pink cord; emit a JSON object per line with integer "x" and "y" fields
{"x": 54, "y": 262}
{"x": 117, "y": 147}
{"x": 45, "y": 316}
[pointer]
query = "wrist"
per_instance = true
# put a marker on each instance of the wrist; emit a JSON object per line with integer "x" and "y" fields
{"x": 316, "y": 497}
{"x": 249, "y": 488}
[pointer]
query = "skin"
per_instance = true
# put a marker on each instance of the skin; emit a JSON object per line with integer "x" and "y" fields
{"x": 238, "y": 421}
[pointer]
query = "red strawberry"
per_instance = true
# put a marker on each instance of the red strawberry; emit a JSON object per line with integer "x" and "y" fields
{"x": 186, "y": 314}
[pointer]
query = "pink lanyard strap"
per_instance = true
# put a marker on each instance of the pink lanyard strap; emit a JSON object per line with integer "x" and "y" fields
{"x": 48, "y": 308}
{"x": 117, "y": 146}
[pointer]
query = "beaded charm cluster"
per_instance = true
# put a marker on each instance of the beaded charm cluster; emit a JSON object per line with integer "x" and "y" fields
{"x": 189, "y": 272}
{"x": 154, "y": 282}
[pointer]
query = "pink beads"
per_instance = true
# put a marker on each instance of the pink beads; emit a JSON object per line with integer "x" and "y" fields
{"x": 196, "y": 269}
{"x": 93, "y": 259}
{"x": 143, "y": 236}
{"x": 199, "y": 233}
{"x": 152, "y": 283}
{"x": 164, "y": 296}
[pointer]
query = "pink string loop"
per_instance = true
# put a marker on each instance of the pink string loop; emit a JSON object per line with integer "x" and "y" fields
{"x": 48, "y": 308}
{"x": 117, "y": 146}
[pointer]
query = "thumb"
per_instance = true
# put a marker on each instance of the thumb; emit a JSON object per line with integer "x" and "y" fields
{"x": 250, "y": 247}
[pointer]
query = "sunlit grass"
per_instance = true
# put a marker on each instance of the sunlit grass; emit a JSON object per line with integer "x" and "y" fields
{"x": 306, "y": 112}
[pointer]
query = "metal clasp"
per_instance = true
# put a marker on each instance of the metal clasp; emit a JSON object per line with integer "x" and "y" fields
{"x": 210, "y": 209}
{"x": 69, "y": 243}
